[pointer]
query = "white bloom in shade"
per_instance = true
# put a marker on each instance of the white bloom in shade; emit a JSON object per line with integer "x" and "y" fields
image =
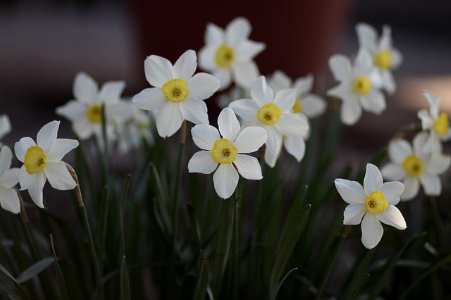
{"x": 176, "y": 94}
{"x": 9, "y": 200}
{"x": 42, "y": 161}
{"x": 415, "y": 166}
{"x": 5, "y": 126}
{"x": 306, "y": 103}
{"x": 435, "y": 122}
{"x": 227, "y": 148}
{"x": 229, "y": 54}
{"x": 85, "y": 112}
{"x": 357, "y": 88}
{"x": 274, "y": 114}
{"x": 371, "y": 204}
{"x": 385, "y": 57}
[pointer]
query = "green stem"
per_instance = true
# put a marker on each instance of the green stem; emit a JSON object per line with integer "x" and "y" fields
{"x": 437, "y": 220}
{"x": 236, "y": 243}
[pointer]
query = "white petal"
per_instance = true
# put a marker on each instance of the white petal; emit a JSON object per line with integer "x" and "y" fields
{"x": 385, "y": 41}
{"x": 21, "y": 147}
{"x": 61, "y": 147}
{"x": 367, "y": 36}
{"x": 207, "y": 57}
{"x": 341, "y": 67}
{"x": 245, "y": 73}
{"x": 388, "y": 83}
{"x": 35, "y": 189}
{"x": 111, "y": 91}
{"x": 261, "y": 91}
{"x": 411, "y": 187}
{"x": 393, "y": 191}
{"x": 398, "y": 150}
{"x": 246, "y": 109}
{"x": 363, "y": 62}
{"x": 47, "y": 135}
{"x": 285, "y": 99}
{"x": 295, "y": 145}
{"x": 393, "y": 217}
{"x": 273, "y": 146}
{"x": 313, "y": 106}
{"x": 201, "y": 162}
{"x": 280, "y": 81}
{"x": 431, "y": 184}
{"x": 225, "y": 180}
{"x": 225, "y": 78}
{"x": 73, "y": 110}
{"x": 373, "y": 179}
{"x": 6, "y": 157}
{"x": 59, "y": 176}
{"x": 304, "y": 84}
{"x": 374, "y": 102}
{"x": 250, "y": 139}
{"x": 149, "y": 99}
{"x": 5, "y": 125}
{"x": 350, "y": 111}
{"x": 293, "y": 124}
{"x": 169, "y": 120}
{"x": 214, "y": 34}
{"x": 424, "y": 143}
{"x": 158, "y": 70}
{"x": 438, "y": 163}
{"x": 186, "y": 65}
{"x": 353, "y": 214}
{"x": 247, "y": 50}
{"x": 204, "y": 136}
{"x": 426, "y": 120}
{"x": 85, "y": 88}
{"x": 372, "y": 231}
{"x": 194, "y": 111}
{"x": 84, "y": 129}
{"x": 9, "y": 200}
{"x": 350, "y": 191}
{"x": 10, "y": 178}
{"x": 202, "y": 86}
{"x": 228, "y": 124}
{"x": 396, "y": 58}
{"x": 25, "y": 179}
{"x": 392, "y": 172}
{"x": 237, "y": 31}
{"x": 248, "y": 167}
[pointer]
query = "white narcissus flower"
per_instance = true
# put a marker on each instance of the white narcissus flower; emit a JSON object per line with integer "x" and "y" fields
{"x": 357, "y": 87}
{"x": 371, "y": 204}
{"x": 176, "y": 94}
{"x": 415, "y": 166}
{"x": 385, "y": 57}
{"x": 85, "y": 112}
{"x": 9, "y": 200}
{"x": 227, "y": 148}
{"x": 436, "y": 123}
{"x": 5, "y": 126}
{"x": 42, "y": 161}
{"x": 229, "y": 54}
{"x": 274, "y": 114}
{"x": 306, "y": 103}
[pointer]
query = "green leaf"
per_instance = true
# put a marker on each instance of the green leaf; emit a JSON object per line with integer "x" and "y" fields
{"x": 202, "y": 283}
{"x": 7, "y": 274}
{"x": 358, "y": 276}
{"x": 125, "y": 280}
{"x": 35, "y": 269}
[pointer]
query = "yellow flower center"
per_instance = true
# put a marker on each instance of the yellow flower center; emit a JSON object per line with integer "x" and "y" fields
{"x": 269, "y": 114}
{"x": 94, "y": 114}
{"x": 35, "y": 160}
{"x": 223, "y": 151}
{"x": 413, "y": 166}
{"x": 376, "y": 203}
{"x": 175, "y": 90}
{"x": 441, "y": 125}
{"x": 225, "y": 56}
{"x": 362, "y": 85}
{"x": 297, "y": 106}
{"x": 383, "y": 59}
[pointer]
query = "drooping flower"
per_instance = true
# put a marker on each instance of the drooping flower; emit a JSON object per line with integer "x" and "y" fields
{"x": 5, "y": 126}
{"x": 371, "y": 204}
{"x": 176, "y": 94}
{"x": 415, "y": 165}
{"x": 306, "y": 103}
{"x": 9, "y": 200}
{"x": 434, "y": 122}
{"x": 86, "y": 113}
{"x": 229, "y": 54}
{"x": 357, "y": 88}
{"x": 385, "y": 57}
{"x": 274, "y": 114}
{"x": 42, "y": 161}
{"x": 225, "y": 152}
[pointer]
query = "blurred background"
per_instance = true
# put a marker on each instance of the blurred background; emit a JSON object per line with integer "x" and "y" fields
{"x": 44, "y": 43}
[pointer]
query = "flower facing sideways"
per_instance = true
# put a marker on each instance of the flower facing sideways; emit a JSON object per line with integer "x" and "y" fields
{"x": 435, "y": 122}
{"x": 306, "y": 103}
{"x": 42, "y": 161}
{"x": 229, "y": 54}
{"x": 225, "y": 152}
{"x": 9, "y": 200}
{"x": 357, "y": 87}
{"x": 385, "y": 57}
{"x": 415, "y": 166}
{"x": 273, "y": 112}
{"x": 371, "y": 204}
{"x": 176, "y": 94}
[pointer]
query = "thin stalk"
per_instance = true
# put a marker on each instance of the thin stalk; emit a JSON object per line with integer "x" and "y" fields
{"x": 83, "y": 213}
{"x": 437, "y": 220}
{"x": 59, "y": 270}
{"x": 236, "y": 244}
